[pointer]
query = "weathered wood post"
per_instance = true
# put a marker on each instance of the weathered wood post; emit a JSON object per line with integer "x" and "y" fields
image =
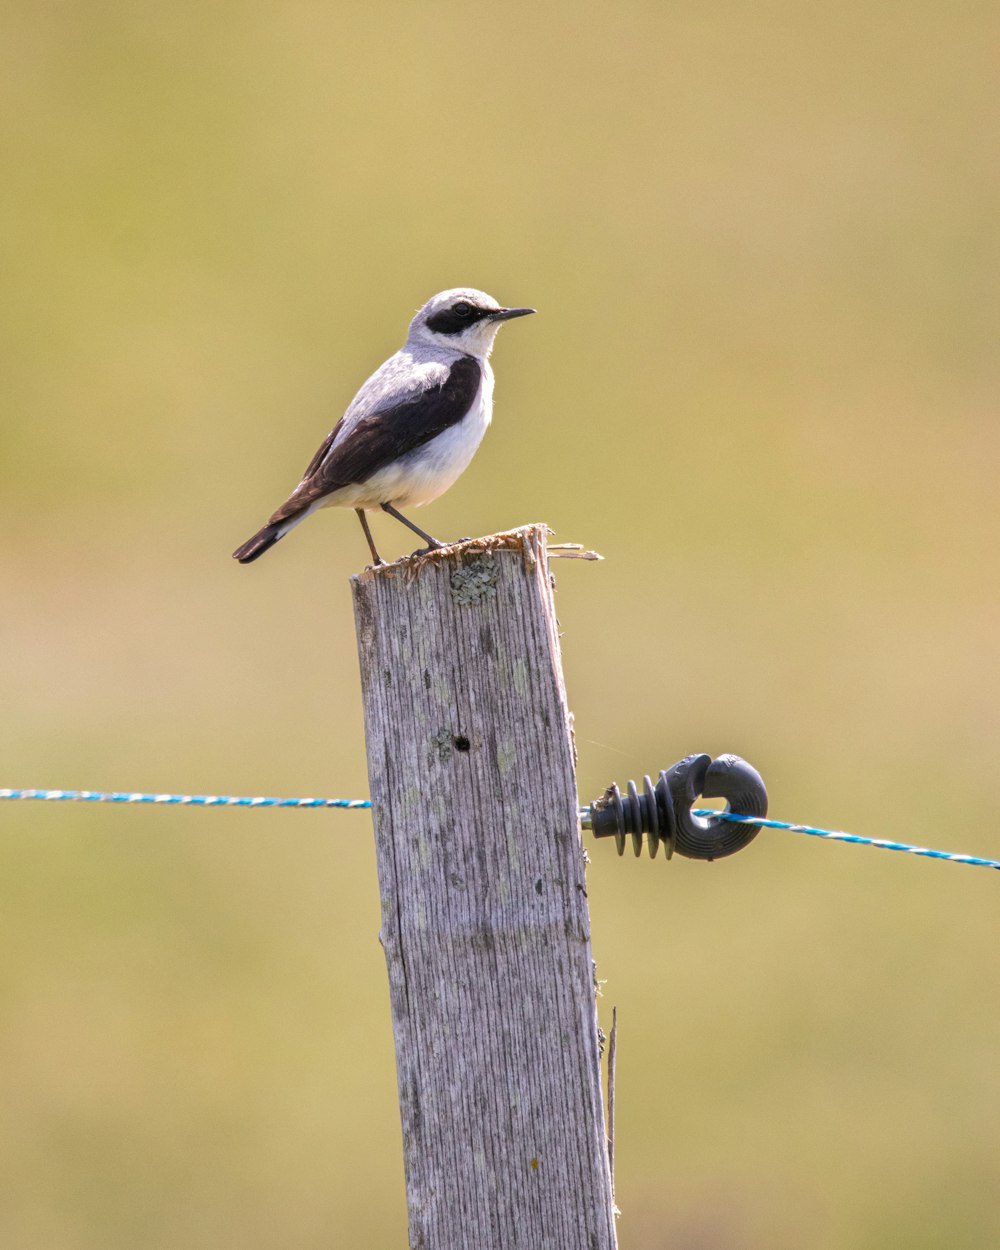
{"x": 485, "y": 922}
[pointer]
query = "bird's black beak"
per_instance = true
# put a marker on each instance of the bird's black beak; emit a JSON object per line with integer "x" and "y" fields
{"x": 505, "y": 314}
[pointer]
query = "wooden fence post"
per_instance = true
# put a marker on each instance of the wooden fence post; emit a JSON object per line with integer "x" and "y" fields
{"x": 485, "y": 922}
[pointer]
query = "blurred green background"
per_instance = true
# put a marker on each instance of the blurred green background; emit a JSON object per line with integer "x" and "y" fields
{"x": 763, "y": 242}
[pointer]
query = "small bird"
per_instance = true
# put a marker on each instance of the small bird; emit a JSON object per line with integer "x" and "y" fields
{"x": 413, "y": 427}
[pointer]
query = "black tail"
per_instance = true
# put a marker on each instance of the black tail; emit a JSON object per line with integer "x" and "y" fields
{"x": 262, "y": 541}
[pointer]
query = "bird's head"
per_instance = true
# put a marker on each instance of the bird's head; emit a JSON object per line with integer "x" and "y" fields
{"x": 462, "y": 320}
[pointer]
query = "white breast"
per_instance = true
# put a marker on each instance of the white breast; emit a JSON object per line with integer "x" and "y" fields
{"x": 427, "y": 472}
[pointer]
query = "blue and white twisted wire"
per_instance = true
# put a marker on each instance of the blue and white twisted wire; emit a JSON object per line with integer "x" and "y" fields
{"x": 835, "y": 835}
{"x": 179, "y": 800}
{"x": 231, "y": 800}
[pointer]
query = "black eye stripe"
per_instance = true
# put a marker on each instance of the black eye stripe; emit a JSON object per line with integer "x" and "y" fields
{"x": 452, "y": 321}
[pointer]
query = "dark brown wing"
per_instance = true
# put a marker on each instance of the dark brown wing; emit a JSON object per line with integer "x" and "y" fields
{"x": 324, "y": 447}
{"x": 385, "y": 435}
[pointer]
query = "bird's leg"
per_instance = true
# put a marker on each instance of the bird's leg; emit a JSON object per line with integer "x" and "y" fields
{"x": 431, "y": 542}
{"x": 368, "y": 534}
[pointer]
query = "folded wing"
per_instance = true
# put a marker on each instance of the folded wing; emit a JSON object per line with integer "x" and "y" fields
{"x": 353, "y": 454}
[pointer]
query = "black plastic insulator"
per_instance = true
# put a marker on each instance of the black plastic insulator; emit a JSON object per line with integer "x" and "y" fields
{"x": 663, "y": 812}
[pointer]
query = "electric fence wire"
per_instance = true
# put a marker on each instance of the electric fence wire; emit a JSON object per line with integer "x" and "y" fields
{"x": 230, "y": 800}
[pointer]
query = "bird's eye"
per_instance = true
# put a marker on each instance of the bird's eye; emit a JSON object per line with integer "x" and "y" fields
{"x": 462, "y": 309}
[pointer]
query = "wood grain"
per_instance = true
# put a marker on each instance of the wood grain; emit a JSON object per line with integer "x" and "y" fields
{"x": 485, "y": 922}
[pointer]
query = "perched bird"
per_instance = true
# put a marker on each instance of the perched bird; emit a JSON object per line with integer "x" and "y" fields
{"x": 412, "y": 428}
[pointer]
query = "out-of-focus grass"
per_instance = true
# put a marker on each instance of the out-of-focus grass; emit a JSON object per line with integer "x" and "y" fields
{"x": 763, "y": 243}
